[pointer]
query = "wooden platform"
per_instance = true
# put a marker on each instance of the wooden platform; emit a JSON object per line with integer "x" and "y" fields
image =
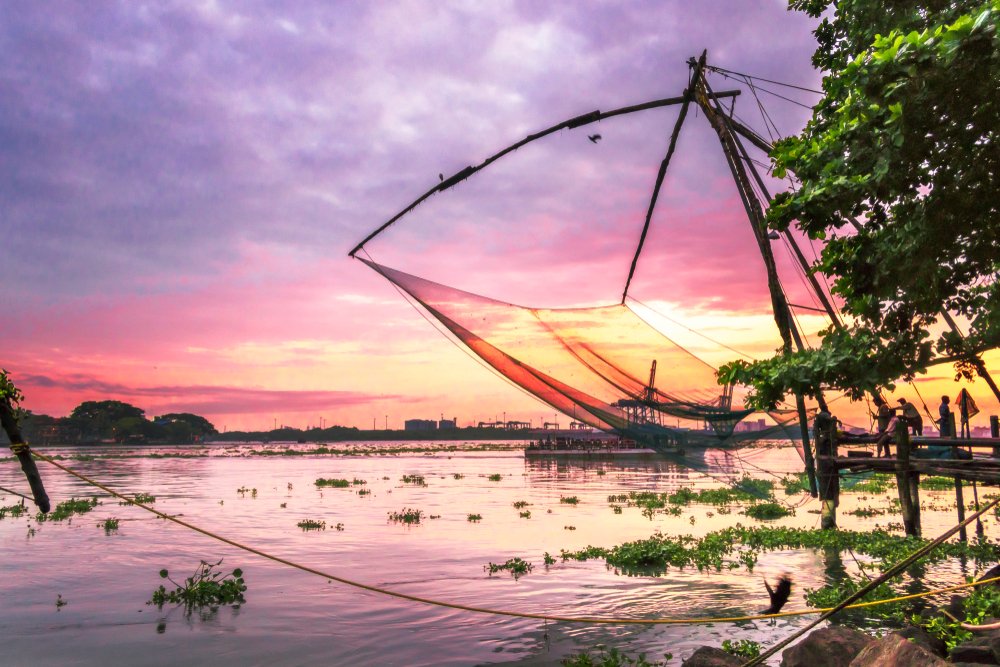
{"x": 981, "y": 469}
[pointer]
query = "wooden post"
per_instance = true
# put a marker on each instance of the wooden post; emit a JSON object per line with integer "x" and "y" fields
{"x": 995, "y": 432}
{"x": 960, "y": 501}
{"x": 20, "y": 449}
{"x": 825, "y": 435}
{"x": 911, "y": 520}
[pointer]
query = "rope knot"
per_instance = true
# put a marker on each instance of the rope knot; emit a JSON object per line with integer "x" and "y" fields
{"x": 20, "y": 448}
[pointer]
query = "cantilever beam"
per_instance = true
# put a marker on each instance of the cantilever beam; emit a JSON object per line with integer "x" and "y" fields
{"x": 570, "y": 124}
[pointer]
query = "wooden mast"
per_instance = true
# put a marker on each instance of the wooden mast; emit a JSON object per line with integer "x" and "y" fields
{"x": 755, "y": 212}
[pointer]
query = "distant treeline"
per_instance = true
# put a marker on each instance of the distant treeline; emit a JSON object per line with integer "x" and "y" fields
{"x": 114, "y": 421}
{"x": 343, "y": 433}
{"x": 94, "y": 422}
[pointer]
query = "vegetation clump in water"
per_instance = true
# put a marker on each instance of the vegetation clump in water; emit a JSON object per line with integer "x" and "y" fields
{"x": 406, "y": 515}
{"x": 68, "y": 508}
{"x": 311, "y": 524}
{"x": 332, "y": 482}
{"x": 13, "y": 510}
{"x": 144, "y": 498}
{"x": 207, "y": 587}
{"x": 768, "y": 511}
{"x": 612, "y": 657}
{"x": 517, "y": 566}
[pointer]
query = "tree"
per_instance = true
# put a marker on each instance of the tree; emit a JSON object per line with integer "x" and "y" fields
{"x": 183, "y": 427}
{"x": 96, "y": 419}
{"x": 899, "y": 174}
{"x": 199, "y": 426}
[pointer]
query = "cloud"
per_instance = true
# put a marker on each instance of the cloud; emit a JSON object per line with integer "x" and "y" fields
{"x": 181, "y": 181}
{"x": 202, "y": 399}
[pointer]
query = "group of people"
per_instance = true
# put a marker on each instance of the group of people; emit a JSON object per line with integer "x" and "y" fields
{"x": 887, "y": 418}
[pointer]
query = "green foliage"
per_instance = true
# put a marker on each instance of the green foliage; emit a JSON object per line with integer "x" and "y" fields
{"x": 832, "y": 594}
{"x": 939, "y": 483}
{"x": 981, "y": 604}
{"x": 311, "y": 524}
{"x": 569, "y": 500}
{"x": 205, "y": 588}
{"x": 332, "y": 482}
{"x": 741, "y": 648}
{"x": 899, "y": 173}
{"x": 416, "y": 480}
{"x": 520, "y": 504}
{"x": 768, "y": 511}
{"x": 612, "y": 657}
{"x": 406, "y": 515}
{"x": 13, "y": 510}
{"x": 516, "y": 566}
{"x": 548, "y": 559}
{"x": 8, "y": 391}
{"x": 495, "y": 477}
{"x": 144, "y": 498}
{"x": 109, "y": 525}
{"x": 877, "y": 484}
{"x": 68, "y": 508}
{"x": 739, "y": 546}
{"x": 794, "y": 485}
{"x": 474, "y": 517}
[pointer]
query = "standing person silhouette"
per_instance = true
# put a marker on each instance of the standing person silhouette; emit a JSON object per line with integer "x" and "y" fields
{"x": 912, "y": 416}
{"x": 944, "y": 421}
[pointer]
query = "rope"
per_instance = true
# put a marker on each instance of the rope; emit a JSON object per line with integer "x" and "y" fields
{"x": 720, "y": 70}
{"x": 15, "y": 493}
{"x": 520, "y": 614}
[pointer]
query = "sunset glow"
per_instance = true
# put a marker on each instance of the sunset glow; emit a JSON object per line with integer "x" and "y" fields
{"x": 182, "y": 186}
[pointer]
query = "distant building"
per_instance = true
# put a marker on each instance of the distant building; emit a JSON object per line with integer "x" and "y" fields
{"x": 419, "y": 425}
{"x": 751, "y": 427}
{"x": 448, "y": 423}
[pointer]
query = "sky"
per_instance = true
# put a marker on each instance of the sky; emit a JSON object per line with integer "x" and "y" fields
{"x": 180, "y": 184}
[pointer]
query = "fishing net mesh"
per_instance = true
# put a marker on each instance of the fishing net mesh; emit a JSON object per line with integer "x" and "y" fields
{"x": 596, "y": 365}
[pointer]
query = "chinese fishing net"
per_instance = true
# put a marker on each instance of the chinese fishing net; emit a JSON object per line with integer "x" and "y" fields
{"x": 604, "y": 366}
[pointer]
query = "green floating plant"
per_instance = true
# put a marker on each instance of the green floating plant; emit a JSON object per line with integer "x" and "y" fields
{"x": 207, "y": 587}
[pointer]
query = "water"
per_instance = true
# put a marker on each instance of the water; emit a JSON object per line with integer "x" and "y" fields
{"x": 295, "y": 618}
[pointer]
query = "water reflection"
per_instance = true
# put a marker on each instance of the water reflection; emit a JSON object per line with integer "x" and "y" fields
{"x": 291, "y": 617}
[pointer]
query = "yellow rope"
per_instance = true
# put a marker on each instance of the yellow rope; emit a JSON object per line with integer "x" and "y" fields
{"x": 486, "y": 610}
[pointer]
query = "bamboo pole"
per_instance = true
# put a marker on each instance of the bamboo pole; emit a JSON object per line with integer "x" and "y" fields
{"x": 572, "y": 123}
{"x": 755, "y": 213}
{"x": 688, "y": 94}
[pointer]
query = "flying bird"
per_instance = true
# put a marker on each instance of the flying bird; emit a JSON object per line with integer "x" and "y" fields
{"x": 779, "y": 594}
{"x": 594, "y": 138}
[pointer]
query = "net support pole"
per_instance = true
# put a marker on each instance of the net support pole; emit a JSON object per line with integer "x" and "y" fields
{"x": 688, "y": 94}
{"x": 755, "y": 213}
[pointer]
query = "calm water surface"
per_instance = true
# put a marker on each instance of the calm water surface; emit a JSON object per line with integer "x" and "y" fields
{"x": 295, "y": 618}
